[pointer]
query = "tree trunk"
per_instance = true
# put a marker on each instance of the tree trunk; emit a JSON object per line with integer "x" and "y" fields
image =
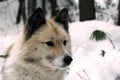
{"x": 31, "y": 6}
{"x": 43, "y": 5}
{"x": 86, "y": 10}
{"x": 54, "y": 7}
{"x": 3, "y": 0}
{"x": 118, "y": 14}
{"x": 21, "y": 12}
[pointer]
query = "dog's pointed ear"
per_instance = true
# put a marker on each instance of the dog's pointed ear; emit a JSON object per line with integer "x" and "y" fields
{"x": 34, "y": 22}
{"x": 63, "y": 18}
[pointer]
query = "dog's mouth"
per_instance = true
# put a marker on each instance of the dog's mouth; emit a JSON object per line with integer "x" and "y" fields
{"x": 60, "y": 62}
{"x": 64, "y": 66}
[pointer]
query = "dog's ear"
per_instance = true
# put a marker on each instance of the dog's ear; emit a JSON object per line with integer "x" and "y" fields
{"x": 34, "y": 22}
{"x": 63, "y": 17}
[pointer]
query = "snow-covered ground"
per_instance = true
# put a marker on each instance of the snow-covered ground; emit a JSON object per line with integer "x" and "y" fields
{"x": 88, "y": 63}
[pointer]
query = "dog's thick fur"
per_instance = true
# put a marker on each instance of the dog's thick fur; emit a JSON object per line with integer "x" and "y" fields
{"x": 42, "y": 51}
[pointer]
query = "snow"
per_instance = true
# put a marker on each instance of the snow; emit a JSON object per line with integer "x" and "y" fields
{"x": 88, "y": 64}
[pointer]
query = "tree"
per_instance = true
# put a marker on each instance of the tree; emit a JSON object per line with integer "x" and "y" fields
{"x": 118, "y": 13}
{"x": 3, "y": 0}
{"x": 86, "y": 10}
{"x": 31, "y": 6}
{"x": 44, "y": 5}
{"x": 21, "y": 12}
{"x": 54, "y": 7}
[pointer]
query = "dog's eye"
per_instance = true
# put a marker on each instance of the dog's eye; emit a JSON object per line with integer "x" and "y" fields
{"x": 64, "y": 42}
{"x": 49, "y": 43}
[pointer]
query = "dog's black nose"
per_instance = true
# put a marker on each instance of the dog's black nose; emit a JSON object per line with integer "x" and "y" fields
{"x": 67, "y": 60}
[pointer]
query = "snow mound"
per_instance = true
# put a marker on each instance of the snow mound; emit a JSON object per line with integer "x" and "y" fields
{"x": 88, "y": 61}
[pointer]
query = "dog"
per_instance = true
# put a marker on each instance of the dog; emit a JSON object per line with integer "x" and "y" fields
{"x": 42, "y": 51}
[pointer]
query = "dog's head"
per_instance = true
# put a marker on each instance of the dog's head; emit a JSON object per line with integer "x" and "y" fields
{"x": 47, "y": 42}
